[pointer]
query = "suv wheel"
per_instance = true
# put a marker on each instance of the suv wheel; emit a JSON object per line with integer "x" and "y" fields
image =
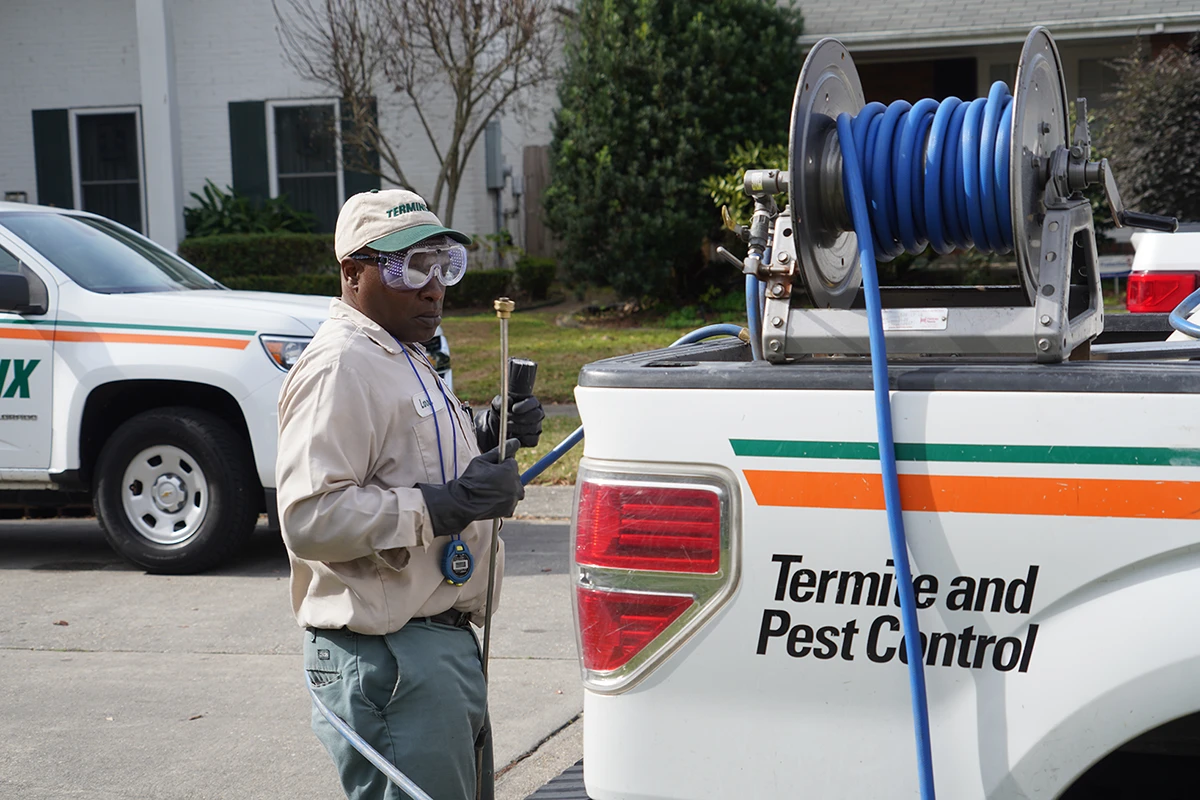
{"x": 175, "y": 490}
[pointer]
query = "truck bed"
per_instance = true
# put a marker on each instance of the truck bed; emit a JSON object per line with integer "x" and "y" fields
{"x": 1051, "y": 513}
{"x": 726, "y": 364}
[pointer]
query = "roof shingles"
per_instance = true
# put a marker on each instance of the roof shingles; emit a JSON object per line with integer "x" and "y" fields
{"x": 933, "y": 22}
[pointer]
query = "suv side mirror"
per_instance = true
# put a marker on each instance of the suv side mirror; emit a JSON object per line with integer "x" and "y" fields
{"x": 14, "y": 294}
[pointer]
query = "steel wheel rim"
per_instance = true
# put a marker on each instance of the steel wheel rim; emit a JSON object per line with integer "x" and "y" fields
{"x": 165, "y": 494}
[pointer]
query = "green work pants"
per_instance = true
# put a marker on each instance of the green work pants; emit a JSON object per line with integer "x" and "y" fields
{"x": 417, "y": 696}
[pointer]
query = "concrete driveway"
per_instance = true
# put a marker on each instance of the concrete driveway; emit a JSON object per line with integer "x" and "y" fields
{"x": 119, "y": 684}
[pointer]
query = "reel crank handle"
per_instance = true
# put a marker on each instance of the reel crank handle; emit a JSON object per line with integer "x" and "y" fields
{"x": 1134, "y": 219}
{"x": 1151, "y": 222}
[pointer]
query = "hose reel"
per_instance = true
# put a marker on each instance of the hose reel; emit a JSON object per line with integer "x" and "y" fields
{"x": 999, "y": 173}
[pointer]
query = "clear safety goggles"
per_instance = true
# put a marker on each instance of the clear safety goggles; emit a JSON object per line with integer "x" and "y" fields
{"x": 415, "y": 267}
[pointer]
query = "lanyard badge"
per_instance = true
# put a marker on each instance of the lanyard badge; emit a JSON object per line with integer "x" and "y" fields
{"x": 457, "y": 562}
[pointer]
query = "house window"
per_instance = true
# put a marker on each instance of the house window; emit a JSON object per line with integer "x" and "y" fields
{"x": 1097, "y": 81}
{"x": 1003, "y": 72}
{"x": 302, "y": 138}
{"x": 106, "y": 154}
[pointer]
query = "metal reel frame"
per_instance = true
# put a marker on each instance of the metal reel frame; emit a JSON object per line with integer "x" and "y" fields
{"x": 1039, "y": 127}
{"x": 1050, "y": 231}
{"x": 825, "y": 242}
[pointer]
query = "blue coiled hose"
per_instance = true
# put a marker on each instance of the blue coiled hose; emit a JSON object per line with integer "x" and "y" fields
{"x": 914, "y": 175}
{"x": 935, "y": 173}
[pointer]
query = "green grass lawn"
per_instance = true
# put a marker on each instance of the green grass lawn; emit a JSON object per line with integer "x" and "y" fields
{"x": 558, "y": 350}
{"x": 554, "y": 430}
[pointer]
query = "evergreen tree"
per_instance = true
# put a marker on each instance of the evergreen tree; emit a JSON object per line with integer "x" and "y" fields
{"x": 655, "y": 95}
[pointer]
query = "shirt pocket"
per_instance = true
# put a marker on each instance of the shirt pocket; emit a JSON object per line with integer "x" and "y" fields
{"x": 435, "y": 457}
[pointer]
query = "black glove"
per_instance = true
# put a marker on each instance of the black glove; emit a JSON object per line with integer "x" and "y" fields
{"x": 487, "y": 489}
{"x": 524, "y": 422}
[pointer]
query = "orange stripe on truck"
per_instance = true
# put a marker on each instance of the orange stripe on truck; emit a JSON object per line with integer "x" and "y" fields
{"x": 121, "y": 338}
{"x": 27, "y": 333}
{"x": 150, "y": 338}
{"x": 975, "y": 494}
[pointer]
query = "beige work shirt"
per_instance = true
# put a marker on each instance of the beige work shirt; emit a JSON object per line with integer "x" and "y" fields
{"x": 356, "y": 434}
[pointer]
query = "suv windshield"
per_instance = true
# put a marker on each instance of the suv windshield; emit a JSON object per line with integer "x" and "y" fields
{"x": 103, "y": 257}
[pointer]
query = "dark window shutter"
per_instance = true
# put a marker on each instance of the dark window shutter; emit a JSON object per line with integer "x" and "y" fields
{"x": 248, "y": 149}
{"x": 354, "y": 181}
{"x": 52, "y": 158}
{"x": 954, "y": 77}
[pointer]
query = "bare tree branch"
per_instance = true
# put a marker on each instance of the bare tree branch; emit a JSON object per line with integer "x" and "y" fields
{"x": 453, "y": 64}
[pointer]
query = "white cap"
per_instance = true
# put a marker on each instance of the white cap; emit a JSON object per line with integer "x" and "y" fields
{"x": 387, "y": 220}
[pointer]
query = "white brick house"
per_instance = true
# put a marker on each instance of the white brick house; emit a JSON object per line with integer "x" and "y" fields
{"x": 127, "y": 106}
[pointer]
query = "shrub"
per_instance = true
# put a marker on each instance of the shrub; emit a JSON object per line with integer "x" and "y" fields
{"x": 1151, "y": 131}
{"x": 244, "y": 254}
{"x": 492, "y": 251}
{"x": 324, "y": 285}
{"x": 534, "y": 276}
{"x": 219, "y": 212}
{"x": 479, "y": 288}
{"x": 725, "y": 189}
{"x": 655, "y": 93}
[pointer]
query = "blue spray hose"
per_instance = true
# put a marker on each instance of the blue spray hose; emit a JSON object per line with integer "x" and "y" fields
{"x": 726, "y": 329}
{"x": 754, "y": 315}
{"x": 554, "y": 455}
{"x": 1179, "y": 317}
{"x": 708, "y": 331}
{"x": 914, "y": 175}
{"x": 887, "y": 456}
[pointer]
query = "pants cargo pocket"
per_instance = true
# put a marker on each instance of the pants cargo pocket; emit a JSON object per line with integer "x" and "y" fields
{"x": 318, "y": 678}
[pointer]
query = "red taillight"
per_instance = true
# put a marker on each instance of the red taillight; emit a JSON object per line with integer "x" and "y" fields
{"x": 616, "y": 626}
{"x": 672, "y": 529}
{"x": 1158, "y": 291}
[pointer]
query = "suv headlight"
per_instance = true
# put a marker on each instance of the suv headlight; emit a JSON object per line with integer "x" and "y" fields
{"x": 439, "y": 356}
{"x": 284, "y": 351}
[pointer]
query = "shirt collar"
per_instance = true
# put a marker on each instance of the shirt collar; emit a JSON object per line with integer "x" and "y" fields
{"x": 339, "y": 309}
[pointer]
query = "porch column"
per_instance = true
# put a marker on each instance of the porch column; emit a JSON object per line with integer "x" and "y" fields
{"x": 160, "y": 123}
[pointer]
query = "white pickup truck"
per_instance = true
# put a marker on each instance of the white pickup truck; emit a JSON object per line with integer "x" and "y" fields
{"x": 735, "y": 592}
{"x": 131, "y": 378}
{"x": 738, "y": 549}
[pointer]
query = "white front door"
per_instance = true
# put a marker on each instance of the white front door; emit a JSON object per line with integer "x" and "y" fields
{"x": 26, "y": 368}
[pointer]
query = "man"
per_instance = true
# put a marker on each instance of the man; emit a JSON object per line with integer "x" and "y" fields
{"x": 379, "y": 471}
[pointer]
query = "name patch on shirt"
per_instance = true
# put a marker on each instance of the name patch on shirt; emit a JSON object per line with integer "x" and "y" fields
{"x": 428, "y": 405}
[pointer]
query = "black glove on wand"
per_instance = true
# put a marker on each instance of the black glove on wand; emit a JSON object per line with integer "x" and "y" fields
{"x": 489, "y": 488}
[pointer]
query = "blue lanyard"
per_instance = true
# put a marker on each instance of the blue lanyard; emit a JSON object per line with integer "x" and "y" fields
{"x": 457, "y": 562}
{"x": 437, "y": 429}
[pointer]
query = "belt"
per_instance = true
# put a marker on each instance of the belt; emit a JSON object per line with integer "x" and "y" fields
{"x": 455, "y": 619}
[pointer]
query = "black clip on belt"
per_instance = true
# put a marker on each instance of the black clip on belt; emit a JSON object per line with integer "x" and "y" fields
{"x": 455, "y": 619}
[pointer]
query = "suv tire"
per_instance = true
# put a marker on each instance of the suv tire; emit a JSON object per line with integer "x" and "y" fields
{"x": 175, "y": 490}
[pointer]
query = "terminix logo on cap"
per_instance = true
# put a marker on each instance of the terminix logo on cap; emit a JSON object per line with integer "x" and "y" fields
{"x": 405, "y": 208}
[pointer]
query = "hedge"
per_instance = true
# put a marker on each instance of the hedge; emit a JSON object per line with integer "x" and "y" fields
{"x": 259, "y": 254}
{"x": 534, "y": 276}
{"x": 326, "y": 285}
{"x": 304, "y": 263}
{"x": 477, "y": 290}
